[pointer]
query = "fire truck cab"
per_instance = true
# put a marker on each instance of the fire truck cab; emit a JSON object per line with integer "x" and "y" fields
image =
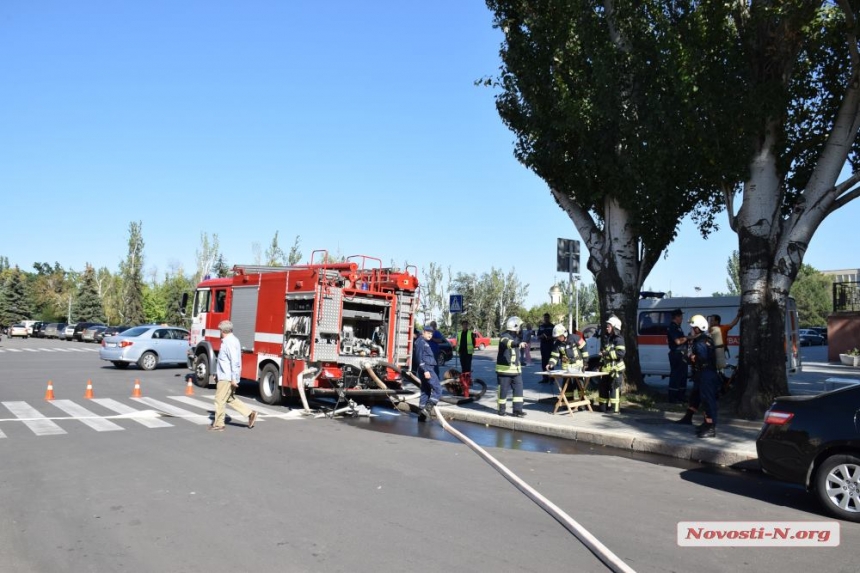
{"x": 336, "y": 329}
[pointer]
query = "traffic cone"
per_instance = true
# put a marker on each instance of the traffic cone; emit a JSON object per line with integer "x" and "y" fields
{"x": 49, "y": 393}
{"x": 89, "y": 393}
{"x": 189, "y": 388}
{"x": 136, "y": 392}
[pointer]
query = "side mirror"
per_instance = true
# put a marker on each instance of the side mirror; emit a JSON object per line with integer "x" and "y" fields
{"x": 183, "y": 304}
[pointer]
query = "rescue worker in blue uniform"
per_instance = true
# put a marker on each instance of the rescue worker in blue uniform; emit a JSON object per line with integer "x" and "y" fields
{"x": 703, "y": 357}
{"x": 568, "y": 352}
{"x": 677, "y": 358}
{"x": 612, "y": 363}
{"x": 425, "y": 367}
{"x": 508, "y": 368}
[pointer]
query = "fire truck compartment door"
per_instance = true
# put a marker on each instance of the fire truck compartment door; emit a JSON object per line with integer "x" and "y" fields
{"x": 244, "y": 315}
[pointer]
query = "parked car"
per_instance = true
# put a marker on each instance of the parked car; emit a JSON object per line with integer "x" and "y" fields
{"x": 481, "y": 341}
{"x": 53, "y": 329}
{"x": 89, "y": 333}
{"x": 80, "y": 327}
{"x": 821, "y": 331}
{"x": 19, "y": 330}
{"x": 68, "y": 332}
{"x": 146, "y": 346}
{"x": 811, "y": 339}
{"x": 37, "y": 330}
{"x": 110, "y": 331}
{"x": 814, "y": 441}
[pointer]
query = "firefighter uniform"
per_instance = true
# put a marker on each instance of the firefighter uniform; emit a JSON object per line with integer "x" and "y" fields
{"x": 509, "y": 370}
{"x": 431, "y": 388}
{"x": 677, "y": 359}
{"x": 569, "y": 353}
{"x": 611, "y": 362}
{"x": 706, "y": 378}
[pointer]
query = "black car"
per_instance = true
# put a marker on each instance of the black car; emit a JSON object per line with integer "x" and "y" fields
{"x": 38, "y": 329}
{"x": 822, "y": 332}
{"x": 111, "y": 331}
{"x": 814, "y": 441}
{"x": 79, "y": 329}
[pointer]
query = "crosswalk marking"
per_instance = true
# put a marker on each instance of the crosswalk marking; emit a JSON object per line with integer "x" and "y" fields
{"x": 121, "y": 408}
{"x": 91, "y": 419}
{"x": 33, "y": 419}
{"x": 210, "y": 406}
{"x": 174, "y": 411}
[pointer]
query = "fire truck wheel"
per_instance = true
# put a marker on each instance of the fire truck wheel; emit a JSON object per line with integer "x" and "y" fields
{"x": 270, "y": 392}
{"x": 201, "y": 370}
{"x": 148, "y": 361}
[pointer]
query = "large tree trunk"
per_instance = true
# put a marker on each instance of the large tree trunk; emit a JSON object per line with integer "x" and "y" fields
{"x": 620, "y": 265}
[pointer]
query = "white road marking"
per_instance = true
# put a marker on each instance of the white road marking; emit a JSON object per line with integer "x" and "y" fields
{"x": 33, "y": 419}
{"x": 175, "y": 412}
{"x": 91, "y": 419}
{"x": 140, "y": 416}
{"x": 210, "y": 406}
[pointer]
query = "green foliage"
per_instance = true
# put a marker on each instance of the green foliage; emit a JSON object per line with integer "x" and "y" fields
{"x": 87, "y": 304}
{"x": 812, "y": 291}
{"x": 131, "y": 270}
{"x": 15, "y": 304}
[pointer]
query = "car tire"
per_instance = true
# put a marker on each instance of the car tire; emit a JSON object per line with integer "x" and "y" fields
{"x": 837, "y": 486}
{"x": 270, "y": 391}
{"x": 201, "y": 370}
{"x": 120, "y": 365}
{"x": 148, "y": 361}
{"x": 481, "y": 346}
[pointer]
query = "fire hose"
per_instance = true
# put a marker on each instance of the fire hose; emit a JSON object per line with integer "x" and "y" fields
{"x": 612, "y": 561}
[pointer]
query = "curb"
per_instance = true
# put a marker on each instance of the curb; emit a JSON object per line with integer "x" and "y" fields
{"x": 620, "y": 440}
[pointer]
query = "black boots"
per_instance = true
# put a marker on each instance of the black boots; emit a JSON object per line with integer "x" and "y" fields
{"x": 706, "y": 430}
{"x": 687, "y": 420}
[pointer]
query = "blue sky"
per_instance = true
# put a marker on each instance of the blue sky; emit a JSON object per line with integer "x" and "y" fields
{"x": 354, "y": 125}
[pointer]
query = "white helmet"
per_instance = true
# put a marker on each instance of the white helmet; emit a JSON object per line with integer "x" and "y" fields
{"x": 700, "y": 322}
{"x": 513, "y": 324}
{"x": 559, "y": 330}
{"x": 614, "y": 322}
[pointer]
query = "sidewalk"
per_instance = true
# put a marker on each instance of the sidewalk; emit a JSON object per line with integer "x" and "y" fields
{"x": 633, "y": 429}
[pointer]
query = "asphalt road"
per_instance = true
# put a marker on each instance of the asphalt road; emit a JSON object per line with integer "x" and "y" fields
{"x": 324, "y": 495}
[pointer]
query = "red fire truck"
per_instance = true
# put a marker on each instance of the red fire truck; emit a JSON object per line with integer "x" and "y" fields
{"x": 339, "y": 330}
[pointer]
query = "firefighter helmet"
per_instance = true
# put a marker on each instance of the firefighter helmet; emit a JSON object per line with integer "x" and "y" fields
{"x": 559, "y": 330}
{"x": 513, "y": 324}
{"x": 700, "y": 322}
{"x": 614, "y": 322}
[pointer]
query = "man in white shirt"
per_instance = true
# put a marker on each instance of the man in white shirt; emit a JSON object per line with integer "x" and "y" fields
{"x": 227, "y": 373}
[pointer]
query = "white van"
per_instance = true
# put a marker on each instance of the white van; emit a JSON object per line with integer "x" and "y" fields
{"x": 654, "y": 316}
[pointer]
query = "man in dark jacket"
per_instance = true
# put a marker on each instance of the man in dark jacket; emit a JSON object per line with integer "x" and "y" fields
{"x": 544, "y": 333}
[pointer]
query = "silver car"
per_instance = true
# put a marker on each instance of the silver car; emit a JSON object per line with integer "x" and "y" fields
{"x": 146, "y": 346}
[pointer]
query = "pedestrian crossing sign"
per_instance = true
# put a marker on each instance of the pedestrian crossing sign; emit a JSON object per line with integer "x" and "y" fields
{"x": 456, "y": 304}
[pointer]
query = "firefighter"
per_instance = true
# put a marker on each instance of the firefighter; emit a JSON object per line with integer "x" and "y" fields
{"x": 677, "y": 358}
{"x": 611, "y": 362}
{"x": 568, "y": 351}
{"x": 508, "y": 368}
{"x": 544, "y": 334}
{"x": 431, "y": 389}
{"x": 705, "y": 377}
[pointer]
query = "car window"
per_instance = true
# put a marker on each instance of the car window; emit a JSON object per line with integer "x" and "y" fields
{"x": 178, "y": 334}
{"x": 136, "y": 331}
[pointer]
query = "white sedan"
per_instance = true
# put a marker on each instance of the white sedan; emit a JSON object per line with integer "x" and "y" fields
{"x": 18, "y": 330}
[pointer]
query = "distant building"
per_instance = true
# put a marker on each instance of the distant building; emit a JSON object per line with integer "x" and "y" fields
{"x": 844, "y": 275}
{"x": 555, "y": 294}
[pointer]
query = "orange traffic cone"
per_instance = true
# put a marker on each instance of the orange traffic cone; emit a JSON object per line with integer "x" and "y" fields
{"x": 189, "y": 388}
{"x": 89, "y": 393}
{"x": 49, "y": 393}
{"x": 136, "y": 392}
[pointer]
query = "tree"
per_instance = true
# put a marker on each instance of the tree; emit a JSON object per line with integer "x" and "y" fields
{"x": 87, "y": 305}
{"x": 131, "y": 304}
{"x": 800, "y": 89}
{"x": 15, "y": 304}
{"x": 812, "y": 291}
{"x": 733, "y": 282}
{"x": 275, "y": 255}
{"x": 220, "y": 269}
{"x": 207, "y": 255}
{"x": 295, "y": 254}
{"x": 594, "y": 92}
